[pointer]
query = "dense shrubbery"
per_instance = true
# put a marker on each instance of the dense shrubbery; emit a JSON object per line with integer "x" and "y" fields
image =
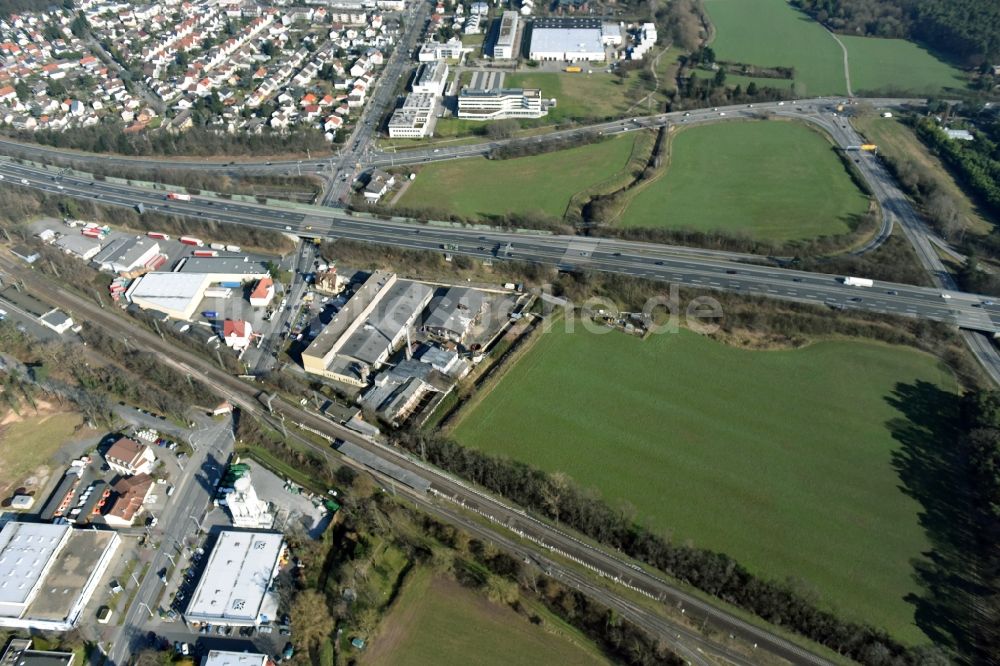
{"x": 111, "y": 138}
{"x": 977, "y": 163}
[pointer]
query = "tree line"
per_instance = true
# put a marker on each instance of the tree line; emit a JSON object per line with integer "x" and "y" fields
{"x": 558, "y": 498}
{"x": 111, "y": 137}
{"x": 966, "y": 30}
{"x": 979, "y": 444}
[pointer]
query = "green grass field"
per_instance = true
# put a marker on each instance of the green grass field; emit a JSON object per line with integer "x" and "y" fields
{"x": 774, "y": 180}
{"x": 896, "y": 64}
{"x": 782, "y": 459}
{"x": 772, "y": 33}
{"x": 436, "y": 621}
{"x": 479, "y": 188}
{"x": 30, "y": 443}
{"x": 579, "y": 96}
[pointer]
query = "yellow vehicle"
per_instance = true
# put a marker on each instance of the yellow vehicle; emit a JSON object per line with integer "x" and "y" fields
{"x": 574, "y": 69}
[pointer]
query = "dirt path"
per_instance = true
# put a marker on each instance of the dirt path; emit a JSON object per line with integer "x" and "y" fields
{"x": 656, "y": 81}
{"x": 847, "y": 65}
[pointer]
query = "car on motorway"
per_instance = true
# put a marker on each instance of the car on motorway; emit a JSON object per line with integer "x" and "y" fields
{"x": 892, "y": 292}
{"x": 857, "y": 299}
{"x": 659, "y": 263}
{"x": 796, "y": 279}
{"x": 730, "y": 272}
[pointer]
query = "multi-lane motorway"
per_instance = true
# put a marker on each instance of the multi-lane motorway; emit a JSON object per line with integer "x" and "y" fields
{"x": 689, "y": 266}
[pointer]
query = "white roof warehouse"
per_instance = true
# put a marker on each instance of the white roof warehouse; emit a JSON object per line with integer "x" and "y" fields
{"x": 235, "y": 588}
{"x": 49, "y": 572}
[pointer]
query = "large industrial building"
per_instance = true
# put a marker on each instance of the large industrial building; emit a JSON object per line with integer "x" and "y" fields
{"x": 501, "y": 103}
{"x": 362, "y": 335}
{"x": 505, "y": 47}
{"x": 571, "y": 39}
{"x": 179, "y": 294}
{"x": 235, "y": 587}
{"x": 49, "y": 572}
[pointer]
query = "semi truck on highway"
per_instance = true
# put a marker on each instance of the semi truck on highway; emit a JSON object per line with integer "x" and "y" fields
{"x": 859, "y": 282}
{"x": 179, "y": 197}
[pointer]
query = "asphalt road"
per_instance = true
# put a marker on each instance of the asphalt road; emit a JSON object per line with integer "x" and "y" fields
{"x": 179, "y": 519}
{"x": 803, "y": 107}
{"x": 341, "y": 167}
{"x": 686, "y": 266}
{"x": 357, "y": 148}
{"x": 272, "y": 340}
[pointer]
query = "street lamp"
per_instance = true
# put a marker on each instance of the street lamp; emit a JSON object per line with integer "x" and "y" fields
{"x": 148, "y": 609}
{"x": 196, "y": 523}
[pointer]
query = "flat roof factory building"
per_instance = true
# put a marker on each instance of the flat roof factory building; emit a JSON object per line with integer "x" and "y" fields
{"x": 364, "y": 332}
{"x": 179, "y": 294}
{"x": 49, "y": 572}
{"x": 567, "y": 39}
{"x": 235, "y": 587}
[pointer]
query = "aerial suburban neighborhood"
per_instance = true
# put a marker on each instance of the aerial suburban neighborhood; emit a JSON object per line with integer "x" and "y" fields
{"x": 373, "y": 332}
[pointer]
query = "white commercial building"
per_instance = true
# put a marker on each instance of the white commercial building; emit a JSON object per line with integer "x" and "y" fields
{"x": 431, "y": 78}
{"x": 643, "y": 38}
{"x": 567, "y": 39}
{"x": 415, "y": 119}
{"x": 49, "y": 572}
{"x": 176, "y": 295}
{"x": 245, "y": 508}
{"x": 506, "y": 44}
{"x": 228, "y": 658}
{"x": 235, "y": 587}
{"x": 500, "y": 103}
{"x": 450, "y": 50}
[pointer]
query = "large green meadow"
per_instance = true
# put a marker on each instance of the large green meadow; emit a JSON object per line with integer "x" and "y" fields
{"x": 482, "y": 188}
{"x": 773, "y": 180}
{"x": 773, "y": 33}
{"x": 437, "y": 621}
{"x": 783, "y": 459}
